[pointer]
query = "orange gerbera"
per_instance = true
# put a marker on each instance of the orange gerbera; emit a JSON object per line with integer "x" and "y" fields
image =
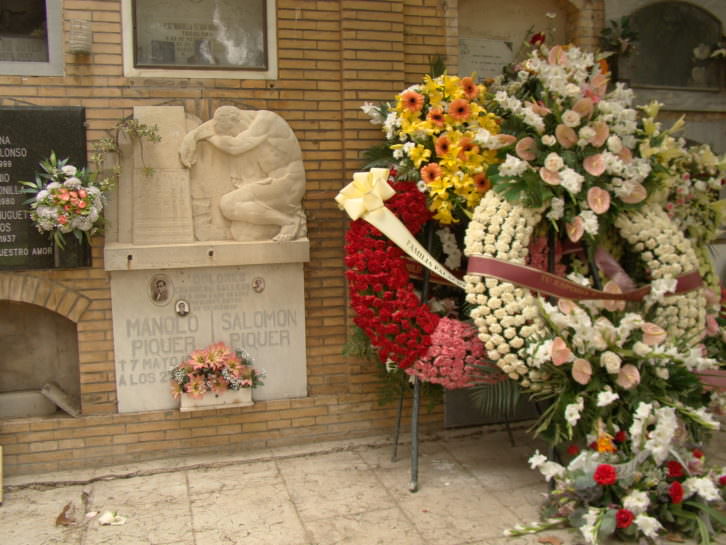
{"x": 482, "y": 183}
{"x": 605, "y": 443}
{"x": 442, "y": 145}
{"x": 459, "y": 109}
{"x": 467, "y": 146}
{"x": 412, "y": 101}
{"x": 430, "y": 172}
{"x": 470, "y": 88}
{"x": 436, "y": 117}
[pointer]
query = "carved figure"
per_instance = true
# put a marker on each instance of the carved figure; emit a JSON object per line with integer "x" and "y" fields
{"x": 247, "y": 177}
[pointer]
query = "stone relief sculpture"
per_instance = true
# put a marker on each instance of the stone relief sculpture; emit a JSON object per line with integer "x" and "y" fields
{"x": 247, "y": 177}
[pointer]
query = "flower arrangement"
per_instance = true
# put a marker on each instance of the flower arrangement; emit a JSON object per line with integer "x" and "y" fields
{"x": 582, "y": 159}
{"x": 384, "y": 300}
{"x": 66, "y": 199}
{"x": 597, "y": 363}
{"x": 455, "y": 358}
{"x": 635, "y": 482}
{"x": 214, "y": 369}
{"x": 577, "y": 172}
{"x": 437, "y": 131}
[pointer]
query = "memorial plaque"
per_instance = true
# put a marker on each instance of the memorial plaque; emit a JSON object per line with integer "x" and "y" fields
{"x": 160, "y": 317}
{"x": 229, "y": 34}
{"x": 484, "y": 56}
{"x": 27, "y": 135}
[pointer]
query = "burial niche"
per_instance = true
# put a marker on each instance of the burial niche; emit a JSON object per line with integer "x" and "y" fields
{"x": 40, "y": 347}
{"x": 675, "y": 47}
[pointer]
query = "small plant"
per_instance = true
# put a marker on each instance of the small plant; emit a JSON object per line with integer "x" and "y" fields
{"x": 618, "y": 38}
{"x": 133, "y": 130}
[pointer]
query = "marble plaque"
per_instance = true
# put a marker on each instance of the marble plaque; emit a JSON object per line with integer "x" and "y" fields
{"x": 484, "y": 56}
{"x": 160, "y": 316}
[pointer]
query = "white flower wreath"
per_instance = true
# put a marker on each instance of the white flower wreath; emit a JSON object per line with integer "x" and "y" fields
{"x": 507, "y": 315}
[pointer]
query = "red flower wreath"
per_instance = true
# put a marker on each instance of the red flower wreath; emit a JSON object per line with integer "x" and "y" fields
{"x": 382, "y": 296}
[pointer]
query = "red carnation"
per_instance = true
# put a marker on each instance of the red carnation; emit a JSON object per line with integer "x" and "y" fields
{"x": 624, "y": 518}
{"x": 675, "y": 491}
{"x": 675, "y": 469}
{"x": 573, "y": 450}
{"x": 537, "y": 39}
{"x": 722, "y": 480}
{"x": 697, "y": 453}
{"x": 605, "y": 474}
{"x": 620, "y": 437}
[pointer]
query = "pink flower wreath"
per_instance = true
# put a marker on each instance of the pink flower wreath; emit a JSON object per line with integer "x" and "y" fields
{"x": 388, "y": 310}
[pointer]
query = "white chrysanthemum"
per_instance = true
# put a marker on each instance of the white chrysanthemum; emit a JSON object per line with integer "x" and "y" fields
{"x": 648, "y": 525}
{"x": 512, "y": 166}
{"x": 606, "y": 397}
{"x": 703, "y": 486}
{"x": 574, "y": 410}
{"x": 636, "y": 501}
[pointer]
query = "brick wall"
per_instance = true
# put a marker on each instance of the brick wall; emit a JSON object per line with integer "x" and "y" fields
{"x": 332, "y": 57}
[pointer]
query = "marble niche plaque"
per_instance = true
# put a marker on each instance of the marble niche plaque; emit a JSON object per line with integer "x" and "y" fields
{"x": 484, "y": 56}
{"x": 160, "y": 316}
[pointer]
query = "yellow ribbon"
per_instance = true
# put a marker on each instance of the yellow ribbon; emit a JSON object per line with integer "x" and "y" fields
{"x": 365, "y": 193}
{"x": 364, "y": 197}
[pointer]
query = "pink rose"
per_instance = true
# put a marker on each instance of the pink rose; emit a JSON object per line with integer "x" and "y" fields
{"x": 581, "y": 371}
{"x": 598, "y": 200}
{"x": 559, "y": 351}
{"x": 566, "y": 136}
{"x": 598, "y": 86}
{"x": 594, "y": 164}
{"x": 549, "y": 176}
{"x": 538, "y": 108}
{"x": 504, "y": 140}
{"x": 628, "y": 376}
{"x": 601, "y": 134}
{"x": 557, "y": 55}
{"x": 566, "y": 305}
{"x": 653, "y": 334}
{"x": 575, "y": 229}
{"x": 638, "y": 194}
{"x": 626, "y": 156}
{"x": 612, "y": 304}
{"x": 583, "y": 107}
{"x": 526, "y": 149}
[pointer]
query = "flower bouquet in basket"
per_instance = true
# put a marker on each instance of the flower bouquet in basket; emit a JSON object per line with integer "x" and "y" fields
{"x": 66, "y": 199}
{"x": 214, "y": 370}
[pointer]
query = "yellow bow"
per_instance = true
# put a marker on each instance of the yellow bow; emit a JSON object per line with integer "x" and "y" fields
{"x": 365, "y": 193}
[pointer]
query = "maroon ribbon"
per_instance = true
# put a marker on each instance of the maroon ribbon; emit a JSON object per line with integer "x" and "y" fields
{"x": 551, "y": 284}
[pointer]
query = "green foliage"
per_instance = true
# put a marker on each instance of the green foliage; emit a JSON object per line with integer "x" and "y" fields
{"x": 498, "y": 399}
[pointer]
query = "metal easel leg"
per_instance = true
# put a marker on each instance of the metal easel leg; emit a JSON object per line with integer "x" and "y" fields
{"x": 397, "y": 431}
{"x": 413, "y": 485}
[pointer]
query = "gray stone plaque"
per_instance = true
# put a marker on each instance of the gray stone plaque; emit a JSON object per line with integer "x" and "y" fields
{"x": 160, "y": 317}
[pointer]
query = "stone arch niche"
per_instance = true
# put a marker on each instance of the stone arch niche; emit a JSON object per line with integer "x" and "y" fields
{"x": 684, "y": 83}
{"x": 39, "y": 363}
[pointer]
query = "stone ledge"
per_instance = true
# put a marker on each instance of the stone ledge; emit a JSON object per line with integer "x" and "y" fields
{"x": 120, "y": 256}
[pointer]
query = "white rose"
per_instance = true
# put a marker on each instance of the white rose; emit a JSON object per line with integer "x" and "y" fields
{"x": 549, "y": 140}
{"x": 611, "y": 362}
{"x": 553, "y": 162}
{"x": 571, "y": 118}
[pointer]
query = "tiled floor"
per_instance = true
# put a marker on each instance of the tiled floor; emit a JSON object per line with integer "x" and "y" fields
{"x": 472, "y": 486}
